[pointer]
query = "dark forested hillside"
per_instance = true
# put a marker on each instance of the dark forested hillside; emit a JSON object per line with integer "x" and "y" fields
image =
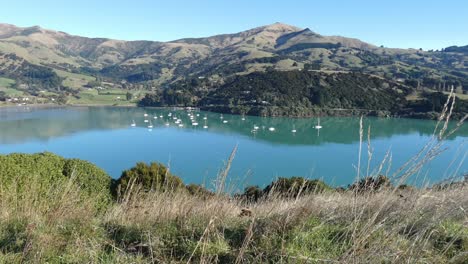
{"x": 300, "y": 93}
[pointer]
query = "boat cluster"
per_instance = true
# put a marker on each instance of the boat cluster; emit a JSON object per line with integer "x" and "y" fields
{"x": 170, "y": 117}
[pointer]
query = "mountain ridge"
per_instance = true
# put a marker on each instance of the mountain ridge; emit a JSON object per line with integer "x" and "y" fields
{"x": 276, "y": 46}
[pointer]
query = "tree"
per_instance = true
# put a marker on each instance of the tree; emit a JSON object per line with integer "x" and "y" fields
{"x": 2, "y": 96}
{"x": 129, "y": 96}
{"x": 62, "y": 99}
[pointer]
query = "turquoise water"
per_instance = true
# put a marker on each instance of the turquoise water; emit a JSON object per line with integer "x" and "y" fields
{"x": 103, "y": 135}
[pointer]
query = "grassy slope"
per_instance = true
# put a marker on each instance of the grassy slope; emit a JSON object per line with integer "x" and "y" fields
{"x": 100, "y": 97}
{"x": 6, "y": 84}
{"x": 418, "y": 226}
{"x": 74, "y": 80}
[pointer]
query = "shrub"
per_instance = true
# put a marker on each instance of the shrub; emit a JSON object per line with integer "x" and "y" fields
{"x": 198, "y": 190}
{"x": 18, "y": 170}
{"x": 152, "y": 177}
{"x": 292, "y": 187}
{"x": 371, "y": 184}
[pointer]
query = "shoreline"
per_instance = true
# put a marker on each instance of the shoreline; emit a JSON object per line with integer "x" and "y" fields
{"x": 311, "y": 113}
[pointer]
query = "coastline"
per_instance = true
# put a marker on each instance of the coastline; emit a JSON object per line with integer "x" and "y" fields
{"x": 264, "y": 112}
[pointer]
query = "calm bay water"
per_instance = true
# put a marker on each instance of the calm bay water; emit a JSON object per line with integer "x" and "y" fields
{"x": 103, "y": 135}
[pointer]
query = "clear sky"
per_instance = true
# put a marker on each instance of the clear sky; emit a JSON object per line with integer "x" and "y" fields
{"x": 393, "y": 23}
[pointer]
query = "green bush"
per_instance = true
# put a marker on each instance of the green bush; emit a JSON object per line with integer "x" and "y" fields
{"x": 371, "y": 184}
{"x": 294, "y": 186}
{"x": 152, "y": 177}
{"x": 198, "y": 190}
{"x": 52, "y": 170}
{"x": 284, "y": 187}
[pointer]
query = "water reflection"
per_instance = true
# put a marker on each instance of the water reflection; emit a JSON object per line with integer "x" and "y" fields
{"x": 21, "y": 124}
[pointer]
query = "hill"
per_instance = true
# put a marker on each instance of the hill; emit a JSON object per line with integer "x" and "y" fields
{"x": 39, "y": 58}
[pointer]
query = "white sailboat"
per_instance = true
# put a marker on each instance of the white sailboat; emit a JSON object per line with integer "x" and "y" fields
{"x": 271, "y": 129}
{"x": 318, "y": 126}
{"x": 294, "y": 129}
{"x": 225, "y": 121}
{"x": 133, "y": 123}
{"x": 150, "y": 125}
{"x": 205, "y": 126}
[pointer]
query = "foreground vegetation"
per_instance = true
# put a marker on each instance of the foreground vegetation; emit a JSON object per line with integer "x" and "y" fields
{"x": 68, "y": 211}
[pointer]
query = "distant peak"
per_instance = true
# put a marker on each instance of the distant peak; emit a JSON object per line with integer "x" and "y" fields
{"x": 282, "y": 26}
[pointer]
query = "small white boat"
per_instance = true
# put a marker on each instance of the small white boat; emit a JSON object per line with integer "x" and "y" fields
{"x": 145, "y": 115}
{"x": 271, "y": 129}
{"x": 294, "y": 129}
{"x": 161, "y": 116}
{"x": 198, "y": 114}
{"x": 167, "y": 124}
{"x": 205, "y": 118}
{"x": 221, "y": 117}
{"x": 243, "y": 118}
{"x": 256, "y": 127}
{"x": 146, "y": 121}
{"x": 194, "y": 124}
{"x": 155, "y": 117}
{"x": 150, "y": 125}
{"x": 225, "y": 121}
{"x": 205, "y": 126}
{"x": 133, "y": 124}
{"x": 181, "y": 125}
{"x": 318, "y": 126}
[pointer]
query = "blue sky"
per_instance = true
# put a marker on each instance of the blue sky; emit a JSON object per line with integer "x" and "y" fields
{"x": 393, "y": 23}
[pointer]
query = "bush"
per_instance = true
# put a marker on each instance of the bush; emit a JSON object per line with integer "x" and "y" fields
{"x": 371, "y": 184}
{"x": 286, "y": 188}
{"x": 152, "y": 177}
{"x": 18, "y": 170}
{"x": 198, "y": 190}
{"x": 292, "y": 187}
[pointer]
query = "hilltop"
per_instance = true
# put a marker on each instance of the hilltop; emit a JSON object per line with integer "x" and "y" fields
{"x": 37, "y": 60}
